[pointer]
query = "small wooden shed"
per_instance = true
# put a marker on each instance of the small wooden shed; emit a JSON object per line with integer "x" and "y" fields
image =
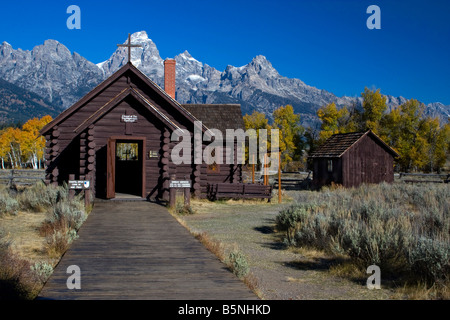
{"x": 351, "y": 159}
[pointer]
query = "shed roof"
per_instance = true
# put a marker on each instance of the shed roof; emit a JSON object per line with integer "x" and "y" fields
{"x": 218, "y": 116}
{"x": 338, "y": 144}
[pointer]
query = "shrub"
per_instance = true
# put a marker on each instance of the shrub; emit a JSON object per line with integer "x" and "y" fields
{"x": 181, "y": 209}
{"x": 430, "y": 259}
{"x": 290, "y": 219}
{"x": 238, "y": 264}
{"x": 41, "y": 197}
{"x": 16, "y": 280}
{"x": 404, "y": 229}
{"x": 314, "y": 232}
{"x": 72, "y": 212}
{"x": 19, "y": 279}
{"x": 43, "y": 271}
{"x": 8, "y": 205}
{"x": 57, "y": 243}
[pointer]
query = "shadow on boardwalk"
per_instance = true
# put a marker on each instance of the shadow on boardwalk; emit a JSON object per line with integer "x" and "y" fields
{"x": 137, "y": 250}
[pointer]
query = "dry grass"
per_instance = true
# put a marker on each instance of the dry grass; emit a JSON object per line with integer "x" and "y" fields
{"x": 273, "y": 267}
{"x": 219, "y": 249}
{"x": 212, "y": 245}
{"x": 23, "y": 231}
{"x": 34, "y": 237}
{"x": 222, "y": 251}
{"x": 423, "y": 291}
{"x": 17, "y": 281}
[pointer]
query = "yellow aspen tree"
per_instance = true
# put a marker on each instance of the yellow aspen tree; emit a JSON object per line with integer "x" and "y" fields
{"x": 374, "y": 105}
{"x": 332, "y": 121}
{"x": 290, "y": 129}
{"x": 34, "y": 144}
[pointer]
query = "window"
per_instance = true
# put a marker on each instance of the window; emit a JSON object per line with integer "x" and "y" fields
{"x": 127, "y": 151}
{"x": 330, "y": 165}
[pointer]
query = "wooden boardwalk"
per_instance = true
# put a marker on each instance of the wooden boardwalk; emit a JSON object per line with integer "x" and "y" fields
{"x": 137, "y": 250}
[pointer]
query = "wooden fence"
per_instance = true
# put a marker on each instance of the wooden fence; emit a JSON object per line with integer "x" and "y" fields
{"x": 238, "y": 191}
{"x": 294, "y": 180}
{"x": 21, "y": 176}
{"x": 422, "y": 177}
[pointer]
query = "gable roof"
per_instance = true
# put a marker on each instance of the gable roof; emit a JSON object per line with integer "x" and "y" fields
{"x": 218, "y": 116}
{"x": 338, "y": 144}
{"x": 105, "y": 84}
{"x": 127, "y": 92}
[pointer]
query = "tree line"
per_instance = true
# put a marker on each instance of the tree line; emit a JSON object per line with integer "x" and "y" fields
{"x": 422, "y": 141}
{"x": 22, "y": 147}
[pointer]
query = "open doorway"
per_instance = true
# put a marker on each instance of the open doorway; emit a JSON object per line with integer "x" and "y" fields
{"x": 126, "y": 171}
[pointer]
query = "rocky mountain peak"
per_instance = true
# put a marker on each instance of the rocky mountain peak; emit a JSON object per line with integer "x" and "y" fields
{"x": 139, "y": 36}
{"x": 51, "y": 71}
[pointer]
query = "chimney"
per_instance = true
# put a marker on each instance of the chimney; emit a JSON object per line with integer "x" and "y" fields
{"x": 169, "y": 77}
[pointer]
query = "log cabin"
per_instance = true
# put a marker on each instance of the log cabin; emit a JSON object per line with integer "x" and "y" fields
{"x": 351, "y": 159}
{"x": 119, "y": 137}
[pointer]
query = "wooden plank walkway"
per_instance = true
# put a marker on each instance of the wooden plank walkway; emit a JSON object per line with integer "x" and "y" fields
{"x": 137, "y": 250}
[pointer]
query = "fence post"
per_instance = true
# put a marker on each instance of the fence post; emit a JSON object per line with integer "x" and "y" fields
{"x": 279, "y": 177}
{"x": 187, "y": 197}
{"x": 11, "y": 180}
{"x": 87, "y": 192}
{"x": 253, "y": 169}
{"x": 172, "y": 192}
{"x": 71, "y": 191}
{"x": 265, "y": 169}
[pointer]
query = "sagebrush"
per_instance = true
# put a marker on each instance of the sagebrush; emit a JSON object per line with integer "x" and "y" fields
{"x": 19, "y": 278}
{"x": 404, "y": 229}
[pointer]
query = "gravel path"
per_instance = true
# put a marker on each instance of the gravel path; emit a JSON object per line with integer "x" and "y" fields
{"x": 282, "y": 274}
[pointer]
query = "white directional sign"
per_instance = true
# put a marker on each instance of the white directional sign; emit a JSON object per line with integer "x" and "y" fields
{"x": 180, "y": 184}
{"x": 79, "y": 184}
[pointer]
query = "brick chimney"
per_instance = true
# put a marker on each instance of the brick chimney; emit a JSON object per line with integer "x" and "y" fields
{"x": 169, "y": 77}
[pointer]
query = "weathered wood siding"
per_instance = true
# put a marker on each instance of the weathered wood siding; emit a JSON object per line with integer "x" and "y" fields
{"x": 366, "y": 162}
{"x": 321, "y": 174}
{"x": 68, "y": 151}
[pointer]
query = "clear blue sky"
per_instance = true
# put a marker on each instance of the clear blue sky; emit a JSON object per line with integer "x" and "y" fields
{"x": 325, "y": 43}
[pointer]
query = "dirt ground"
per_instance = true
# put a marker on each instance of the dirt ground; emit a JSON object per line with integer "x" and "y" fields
{"x": 22, "y": 230}
{"x": 282, "y": 274}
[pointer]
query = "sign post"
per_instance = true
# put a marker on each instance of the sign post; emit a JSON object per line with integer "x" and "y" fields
{"x": 83, "y": 184}
{"x": 279, "y": 177}
{"x": 179, "y": 184}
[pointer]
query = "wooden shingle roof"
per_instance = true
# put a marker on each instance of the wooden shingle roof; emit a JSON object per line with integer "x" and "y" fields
{"x": 218, "y": 116}
{"x": 338, "y": 144}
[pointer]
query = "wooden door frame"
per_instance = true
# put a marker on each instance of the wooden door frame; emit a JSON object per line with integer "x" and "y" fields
{"x": 111, "y": 164}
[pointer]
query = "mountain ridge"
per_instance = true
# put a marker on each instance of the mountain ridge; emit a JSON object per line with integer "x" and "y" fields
{"x": 19, "y": 105}
{"x": 53, "y": 72}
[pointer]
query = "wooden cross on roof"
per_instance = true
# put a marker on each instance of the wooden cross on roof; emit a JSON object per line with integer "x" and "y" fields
{"x": 129, "y": 46}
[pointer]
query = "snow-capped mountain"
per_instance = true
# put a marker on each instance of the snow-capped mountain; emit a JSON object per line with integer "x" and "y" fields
{"x": 62, "y": 78}
{"x": 49, "y": 70}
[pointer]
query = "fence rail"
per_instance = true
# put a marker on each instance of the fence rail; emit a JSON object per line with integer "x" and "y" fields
{"x": 423, "y": 177}
{"x": 21, "y": 176}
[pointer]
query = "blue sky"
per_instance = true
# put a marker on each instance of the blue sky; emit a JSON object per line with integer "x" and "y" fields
{"x": 325, "y": 43}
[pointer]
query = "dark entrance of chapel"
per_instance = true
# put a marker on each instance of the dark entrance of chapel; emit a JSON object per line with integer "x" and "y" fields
{"x": 125, "y": 167}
